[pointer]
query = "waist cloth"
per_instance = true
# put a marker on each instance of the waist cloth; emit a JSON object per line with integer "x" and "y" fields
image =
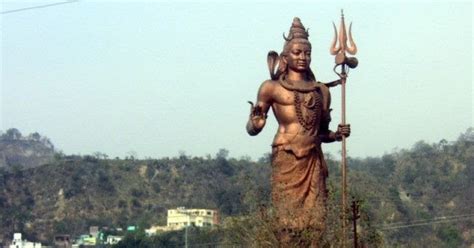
{"x": 299, "y": 175}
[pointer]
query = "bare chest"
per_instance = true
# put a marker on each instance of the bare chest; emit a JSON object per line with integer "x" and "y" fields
{"x": 286, "y": 97}
{"x": 291, "y": 106}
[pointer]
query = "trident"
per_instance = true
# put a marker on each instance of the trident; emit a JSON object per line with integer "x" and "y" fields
{"x": 344, "y": 62}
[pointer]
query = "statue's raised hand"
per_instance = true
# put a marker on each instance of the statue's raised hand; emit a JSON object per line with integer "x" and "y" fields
{"x": 257, "y": 116}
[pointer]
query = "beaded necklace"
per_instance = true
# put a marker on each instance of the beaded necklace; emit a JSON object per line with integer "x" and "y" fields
{"x": 308, "y": 115}
{"x": 307, "y": 101}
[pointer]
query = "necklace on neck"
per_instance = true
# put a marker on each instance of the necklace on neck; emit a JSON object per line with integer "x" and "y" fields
{"x": 298, "y": 85}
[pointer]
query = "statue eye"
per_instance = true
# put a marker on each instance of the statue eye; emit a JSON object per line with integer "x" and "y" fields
{"x": 296, "y": 52}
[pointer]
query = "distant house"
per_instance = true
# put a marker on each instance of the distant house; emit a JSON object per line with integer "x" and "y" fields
{"x": 94, "y": 231}
{"x": 87, "y": 239}
{"x": 17, "y": 242}
{"x": 62, "y": 241}
{"x": 112, "y": 240}
{"x": 155, "y": 229}
{"x": 181, "y": 217}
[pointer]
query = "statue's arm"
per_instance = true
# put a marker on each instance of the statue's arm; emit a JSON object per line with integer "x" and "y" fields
{"x": 325, "y": 134}
{"x": 258, "y": 112}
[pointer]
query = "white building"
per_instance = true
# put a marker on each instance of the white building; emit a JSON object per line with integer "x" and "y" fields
{"x": 181, "y": 217}
{"x": 153, "y": 230}
{"x": 112, "y": 240}
{"x": 17, "y": 242}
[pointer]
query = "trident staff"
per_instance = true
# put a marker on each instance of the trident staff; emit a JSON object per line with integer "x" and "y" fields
{"x": 345, "y": 62}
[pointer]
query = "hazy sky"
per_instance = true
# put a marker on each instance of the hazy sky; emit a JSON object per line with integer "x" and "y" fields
{"x": 161, "y": 77}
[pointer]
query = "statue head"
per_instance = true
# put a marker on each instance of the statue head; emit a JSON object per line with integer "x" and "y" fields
{"x": 297, "y": 34}
{"x": 296, "y": 45}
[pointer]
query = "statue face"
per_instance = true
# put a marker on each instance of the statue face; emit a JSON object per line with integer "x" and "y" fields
{"x": 299, "y": 57}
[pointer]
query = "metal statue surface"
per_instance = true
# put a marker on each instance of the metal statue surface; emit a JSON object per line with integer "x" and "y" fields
{"x": 301, "y": 106}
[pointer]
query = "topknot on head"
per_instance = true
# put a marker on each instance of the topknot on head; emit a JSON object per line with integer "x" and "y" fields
{"x": 297, "y": 31}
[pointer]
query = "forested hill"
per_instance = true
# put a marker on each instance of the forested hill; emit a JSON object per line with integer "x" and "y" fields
{"x": 418, "y": 197}
{"x": 24, "y": 152}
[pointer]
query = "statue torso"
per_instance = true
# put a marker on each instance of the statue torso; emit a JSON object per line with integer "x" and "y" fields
{"x": 297, "y": 110}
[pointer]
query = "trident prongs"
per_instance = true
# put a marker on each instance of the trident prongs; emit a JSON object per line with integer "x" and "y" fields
{"x": 334, "y": 48}
{"x": 342, "y": 45}
{"x": 353, "y": 48}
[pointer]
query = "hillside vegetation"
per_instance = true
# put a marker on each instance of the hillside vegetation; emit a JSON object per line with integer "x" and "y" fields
{"x": 25, "y": 152}
{"x": 418, "y": 197}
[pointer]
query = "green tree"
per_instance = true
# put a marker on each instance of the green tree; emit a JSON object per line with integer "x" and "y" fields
{"x": 12, "y": 134}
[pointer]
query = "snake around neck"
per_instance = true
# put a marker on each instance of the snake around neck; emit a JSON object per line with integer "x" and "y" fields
{"x": 301, "y": 86}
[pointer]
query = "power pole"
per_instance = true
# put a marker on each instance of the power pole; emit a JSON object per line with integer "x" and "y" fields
{"x": 355, "y": 216}
{"x": 186, "y": 236}
{"x": 182, "y": 210}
